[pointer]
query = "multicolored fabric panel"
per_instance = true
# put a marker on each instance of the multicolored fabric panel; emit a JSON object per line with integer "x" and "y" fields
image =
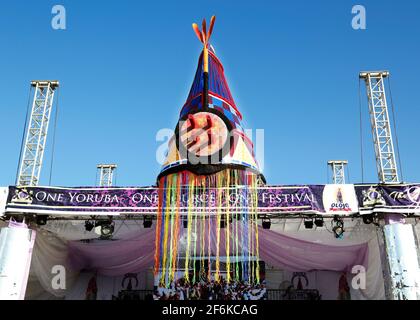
{"x": 217, "y": 81}
{"x": 218, "y": 87}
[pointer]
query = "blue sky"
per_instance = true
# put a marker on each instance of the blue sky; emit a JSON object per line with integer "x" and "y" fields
{"x": 126, "y": 67}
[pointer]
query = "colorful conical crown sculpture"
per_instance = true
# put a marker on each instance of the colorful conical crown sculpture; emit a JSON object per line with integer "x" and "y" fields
{"x": 209, "y": 136}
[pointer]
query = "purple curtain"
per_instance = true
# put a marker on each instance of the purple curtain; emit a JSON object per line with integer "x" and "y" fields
{"x": 136, "y": 253}
{"x": 292, "y": 254}
{"x": 114, "y": 258}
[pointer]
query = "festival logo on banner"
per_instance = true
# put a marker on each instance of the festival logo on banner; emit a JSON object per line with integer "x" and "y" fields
{"x": 373, "y": 197}
{"x": 340, "y": 198}
{"x": 23, "y": 196}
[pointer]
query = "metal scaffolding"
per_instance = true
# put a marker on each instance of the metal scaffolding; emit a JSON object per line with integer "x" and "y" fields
{"x": 338, "y": 171}
{"x": 106, "y": 174}
{"x": 402, "y": 269}
{"x": 381, "y": 128}
{"x": 36, "y": 133}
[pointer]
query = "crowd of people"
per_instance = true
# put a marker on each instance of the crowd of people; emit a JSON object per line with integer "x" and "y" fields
{"x": 211, "y": 290}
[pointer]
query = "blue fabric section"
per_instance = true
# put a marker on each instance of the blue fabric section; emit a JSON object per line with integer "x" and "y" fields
{"x": 192, "y": 106}
{"x": 217, "y": 82}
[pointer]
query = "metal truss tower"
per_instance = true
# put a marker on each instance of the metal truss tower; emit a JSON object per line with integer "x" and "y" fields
{"x": 338, "y": 170}
{"x": 401, "y": 272}
{"x": 381, "y": 127}
{"x": 106, "y": 174}
{"x": 36, "y": 133}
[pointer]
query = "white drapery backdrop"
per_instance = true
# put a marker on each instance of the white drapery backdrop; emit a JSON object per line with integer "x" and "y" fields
{"x": 51, "y": 250}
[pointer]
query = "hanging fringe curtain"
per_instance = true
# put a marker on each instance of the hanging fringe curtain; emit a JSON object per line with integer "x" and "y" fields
{"x": 220, "y": 233}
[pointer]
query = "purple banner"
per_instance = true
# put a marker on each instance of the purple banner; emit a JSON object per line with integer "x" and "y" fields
{"x": 317, "y": 199}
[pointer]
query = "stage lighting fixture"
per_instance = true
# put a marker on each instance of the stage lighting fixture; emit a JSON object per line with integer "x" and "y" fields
{"x": 105, "y": 228}
{"x": 309, "y": 223}
{"x": 41, "y": 220}
{"x": 266, "y": 223}
{"x": 89, "y": 225}
{"x": 222, "y": 222}
{"x": 147, "y": 221}
{"x": 319, "y": 221}
{"x": 338, "y": 229}
{"x": 367, "y": 218}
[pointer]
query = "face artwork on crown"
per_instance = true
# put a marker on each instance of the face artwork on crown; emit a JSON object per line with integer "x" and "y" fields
{"x": 203, "y": 137}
